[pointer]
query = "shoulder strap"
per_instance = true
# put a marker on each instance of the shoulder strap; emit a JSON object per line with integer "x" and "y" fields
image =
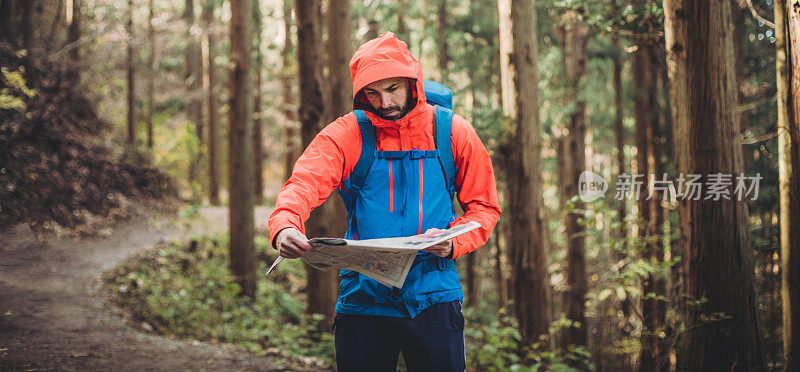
{"x": 443, "y": 122}
{"x": 359, "y": 174}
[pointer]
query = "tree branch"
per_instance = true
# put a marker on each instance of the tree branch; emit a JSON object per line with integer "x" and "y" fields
{"x": 757, "y": 16}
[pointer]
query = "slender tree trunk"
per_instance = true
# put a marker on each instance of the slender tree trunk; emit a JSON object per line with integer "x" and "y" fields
{"x": 25, "y": 28}
{"x": 131, "y": 79}
{"x": 575, "y": 39}
{"x": 151, "y": 72}
{"x": 240, "y": 155}
{"x": 501, "y": 286}
{"x": 787, "y": 44}
{"x": 289, "y": 109}
{"x": 650, "y": 228}
{"x": 55, "y": 25}
{"x": 441, "y": 38}
{"x": 193, "y": 84}
{"x": 258, "y": 139}
{"x": 507, "y": 93}
{"x": 339, "y": 53}
{"x": 258, "y": 120}
{"x": 322, "y": 286}
{"x": 402, "y": 28}
{"x": 209, "y": 87}
{"x": 718, "y": 265}
{"x": 527, "y": 238}
{"x": 372, "y": 30}
{"x": 73, "y": 35}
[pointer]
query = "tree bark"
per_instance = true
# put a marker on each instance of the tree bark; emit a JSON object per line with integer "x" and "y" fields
{"x": 192, "y": 80}
{"x": 131, "y": 79}
{"x": 240, "y": 156}
{"x": 258, "y": 119}
{"x": 151, "y": 72}
{"x": 507, "y": 93}
{"x": 718, "y": 264}
{"x": 322, "y": 286}
{"x": 787, "y": 44}
{"x": 339, "y": 53}
{"x": 575, "y": 39}
{"x": 73, "y": 35}
{"x": 25, "y": 28}
{"x": 209, "y": 87}
{"x": 650, "y": 213}
{"x": 441, "y": 38}
{"x": 289, "y": 109}
{"x": 527, "y": 239}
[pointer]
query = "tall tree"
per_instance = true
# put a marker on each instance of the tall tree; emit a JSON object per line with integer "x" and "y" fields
{"x": 507, "y": 93}
{"x": 787, "y": 45}
{"x": 151, "y": 72}
{"x": 441, "y": 38}
{"x": 73, "y": 18}
{"x": 527, "y": 238}
{"x": 322, "y": 286}
{"x": 574, "y": 163}
{"x": 240, "y": 150}
{"x": 212, "y": 102}
{"x": 131, "y": 78}
{"x": 645, "y": 80}
{"x": 25, "y": 26}
{"x": 721, "y": 320}
{"x": 6, "y": 17}
{"x": 289, "y": 109}
{"x": 258, "y": 119}
{"x": 339, "y": 52}
{"x": 192, "y": 80}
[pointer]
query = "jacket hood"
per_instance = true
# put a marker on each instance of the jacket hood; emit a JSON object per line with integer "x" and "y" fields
{"x": 382, "y": 58}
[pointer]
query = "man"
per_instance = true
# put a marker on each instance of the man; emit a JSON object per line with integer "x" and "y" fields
{"x": 405, "y": 192}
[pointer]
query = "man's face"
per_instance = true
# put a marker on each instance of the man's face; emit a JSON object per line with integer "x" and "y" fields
{"x": 389, "y": 97}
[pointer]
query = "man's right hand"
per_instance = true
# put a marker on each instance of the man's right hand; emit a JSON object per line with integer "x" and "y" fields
{"x": 291, "y": 243}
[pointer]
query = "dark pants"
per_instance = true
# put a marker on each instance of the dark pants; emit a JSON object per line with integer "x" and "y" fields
{"x": 433, "y": 341}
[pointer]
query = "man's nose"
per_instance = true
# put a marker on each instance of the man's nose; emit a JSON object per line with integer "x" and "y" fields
{"x": 385, "y": 100}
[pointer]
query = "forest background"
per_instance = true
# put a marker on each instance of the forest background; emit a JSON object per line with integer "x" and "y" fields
{"x": 104, "y": 102}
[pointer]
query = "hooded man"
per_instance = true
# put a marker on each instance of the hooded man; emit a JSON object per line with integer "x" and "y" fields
{"x": 405, "y": 192}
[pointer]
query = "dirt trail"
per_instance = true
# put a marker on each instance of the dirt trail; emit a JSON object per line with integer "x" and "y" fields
{"x": 54, "y": 315}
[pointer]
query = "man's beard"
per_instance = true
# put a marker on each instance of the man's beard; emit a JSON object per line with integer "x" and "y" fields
{"x": 402, "y": 111}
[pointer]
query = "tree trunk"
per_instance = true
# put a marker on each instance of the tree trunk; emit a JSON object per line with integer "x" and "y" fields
{"x": 240, "y": 156}
{"x": 25, "y": 28}
{"x": 501, "y": 286}
{"x": 402, "y": 28}
{"x": 575, "y": 39}
{"x": 787, "y": 44}
{"x": 131, "y": 79}
{"x": 441, "y": 38}
{"x": 289, "y": 109}
{"x": 6, "y": 18}
{"x": 507, "y": 93}
{"x": 322, "y": 286}
{"x": 718, "y": 264}
{"x": 527, "y": 239}
{"x": 193, "y": 84}
{"x": 209, "y": 87}
{"x": 650, "y": 214}
{"x": 73, "y": 35}
{"x": 151, "y": 72}
{"x": 339, "y": 53}
{"x": 258, "y": 119}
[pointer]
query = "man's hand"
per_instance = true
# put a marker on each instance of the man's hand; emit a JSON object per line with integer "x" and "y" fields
{"x": 291, "y": 243}
{"x": 443, "y": 249}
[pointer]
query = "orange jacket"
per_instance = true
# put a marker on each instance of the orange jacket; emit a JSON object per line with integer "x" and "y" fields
{"x": 334, "y": 152}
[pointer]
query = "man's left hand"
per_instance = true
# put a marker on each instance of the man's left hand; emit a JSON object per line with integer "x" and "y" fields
{"x": 443, "y": 249}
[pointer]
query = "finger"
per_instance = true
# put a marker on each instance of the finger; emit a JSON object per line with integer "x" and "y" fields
{"x": 291, "y": 251}
{"x": 300, "y": 241}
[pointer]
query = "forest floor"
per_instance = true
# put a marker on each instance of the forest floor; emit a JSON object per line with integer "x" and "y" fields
{"x": 54, "y": 314}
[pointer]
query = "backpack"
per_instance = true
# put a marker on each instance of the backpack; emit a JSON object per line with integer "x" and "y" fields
{"x": 441, "y": 97}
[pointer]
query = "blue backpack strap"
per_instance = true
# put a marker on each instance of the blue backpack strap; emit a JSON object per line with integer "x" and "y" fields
{"x": 443, "y": 122}
{"x": 359, "y": 174}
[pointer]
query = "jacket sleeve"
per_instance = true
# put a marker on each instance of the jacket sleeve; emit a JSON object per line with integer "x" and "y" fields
{"x": 476, "y": 186}
{"x": 327, "y": 160}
